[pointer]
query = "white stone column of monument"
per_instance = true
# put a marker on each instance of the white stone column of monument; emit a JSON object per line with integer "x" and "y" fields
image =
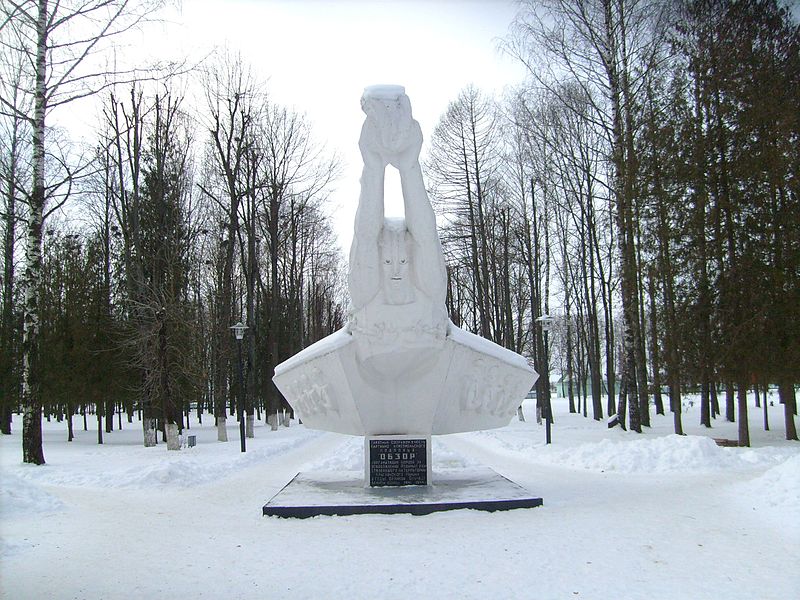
{"x": 390, "y": 135}
{"x": 420, "y": 219}
{"x": 364, "y": 276}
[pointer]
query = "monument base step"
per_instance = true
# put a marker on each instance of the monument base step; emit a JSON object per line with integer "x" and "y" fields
{"x": 343, "y": 493}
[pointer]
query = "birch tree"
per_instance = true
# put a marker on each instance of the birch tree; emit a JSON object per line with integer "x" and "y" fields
{"x": 607, "y": 48}
{"x": 62, "y": 42}
{"x": 462, "y": 170}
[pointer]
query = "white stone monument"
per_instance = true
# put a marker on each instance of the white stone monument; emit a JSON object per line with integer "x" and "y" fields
{"x": 400, "y": 367}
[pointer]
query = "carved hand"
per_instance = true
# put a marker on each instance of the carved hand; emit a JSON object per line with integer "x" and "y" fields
{"x": 369, "y": 145}
{"x": 405, "y": 157}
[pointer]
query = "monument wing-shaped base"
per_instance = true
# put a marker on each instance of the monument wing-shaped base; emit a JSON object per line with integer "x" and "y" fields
{"x": 467, "y": 384}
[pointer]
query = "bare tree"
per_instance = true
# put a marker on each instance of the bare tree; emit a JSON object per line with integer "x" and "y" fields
{"x": 606, "y": 47}
{"x": 234, "y": 102}
{"x": 60, "y": 42}
{"x": 13, "y": 180}
{"x": 295, "y": 167}
{"x": 122, "y": 159}
{"x": 462, "y": 171}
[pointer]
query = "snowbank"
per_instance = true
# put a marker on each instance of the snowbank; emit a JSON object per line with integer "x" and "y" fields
{"x": 137, "y": 467}
{"x": 778, "y": 489}
{"x": 191, "y": 467}
{"x": 667, "y": 454}
{"x": 18, "y": 496}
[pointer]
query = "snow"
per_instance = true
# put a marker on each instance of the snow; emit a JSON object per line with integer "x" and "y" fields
{"x": 625, "y": 516}
{"x": 669, "y": 454}
{"x": 488, "y": 347}
{"x": 19, "y": 496}
{"x": 776, "y": 492}
{"x": 384, "y": 92}
{"x": 326, "y": 345}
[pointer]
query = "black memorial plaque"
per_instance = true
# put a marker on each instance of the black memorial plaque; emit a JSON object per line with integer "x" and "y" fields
{"x": 395, "y": 462}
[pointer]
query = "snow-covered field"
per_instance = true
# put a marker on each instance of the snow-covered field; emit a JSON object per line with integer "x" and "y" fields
{"x": 625, "y": 516}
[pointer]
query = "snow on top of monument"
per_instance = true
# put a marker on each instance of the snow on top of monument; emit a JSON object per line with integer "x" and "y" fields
{"x": 481, "y": 344}
{"x": 324, "y": 346}
{"x": 384, "y": 92}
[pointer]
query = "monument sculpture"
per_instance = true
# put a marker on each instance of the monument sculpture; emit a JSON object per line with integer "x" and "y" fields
{"x": 400, "y": 371}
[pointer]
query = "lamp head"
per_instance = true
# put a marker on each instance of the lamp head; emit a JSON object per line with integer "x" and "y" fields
{"x": 238, "y": 330}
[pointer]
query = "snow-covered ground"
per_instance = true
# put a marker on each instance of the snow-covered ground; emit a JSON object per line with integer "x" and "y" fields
{"x": 625, "y": 516}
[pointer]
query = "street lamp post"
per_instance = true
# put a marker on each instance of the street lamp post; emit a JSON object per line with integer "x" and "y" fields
{"x": 546, "y": 322}
{"x": 238, "y": 331}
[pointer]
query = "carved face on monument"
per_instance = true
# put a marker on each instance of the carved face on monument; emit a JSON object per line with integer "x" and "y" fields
{"x": 396, "y": 263}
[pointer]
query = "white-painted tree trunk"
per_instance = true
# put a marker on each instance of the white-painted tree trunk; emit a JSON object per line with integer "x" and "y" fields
{"x": 273, "y": 421}
{"x": 222, "y": 430}
{"x": 249, "y": 423}
{"x": 520, "y": 414}
{"x": 149, "y": 429}
{"x": 173, "y": 439}
{"x": 285, "y": 418}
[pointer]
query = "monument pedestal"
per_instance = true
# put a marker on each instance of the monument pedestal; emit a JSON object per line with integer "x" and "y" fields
{"x": 343, "y": 493}
{"x": 397, "y": 460}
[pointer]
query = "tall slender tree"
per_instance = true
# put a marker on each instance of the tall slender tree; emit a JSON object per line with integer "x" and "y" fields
{"x": 59, "y": 41}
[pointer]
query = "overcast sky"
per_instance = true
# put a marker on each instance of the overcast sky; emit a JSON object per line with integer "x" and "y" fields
{"x": 317, "y": 56}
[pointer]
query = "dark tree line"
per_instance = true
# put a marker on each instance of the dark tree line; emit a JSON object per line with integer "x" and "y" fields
{"x": 181, "y": 221}
{"x": 645, "y": 181}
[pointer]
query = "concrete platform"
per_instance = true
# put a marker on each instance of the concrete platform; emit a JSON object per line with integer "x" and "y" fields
{"x": 343, "y": 493}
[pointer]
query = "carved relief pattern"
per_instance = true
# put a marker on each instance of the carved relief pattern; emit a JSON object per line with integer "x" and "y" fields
{"x": 311, "y": 394}
{"x": 486, "y": 390}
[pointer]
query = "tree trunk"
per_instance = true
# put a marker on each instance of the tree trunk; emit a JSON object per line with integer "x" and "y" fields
{"x": 714, "y": 400}
{"x": 729, "y": 404}
{"x": 109, "y": 414}
{"x": 744, "y": 428}
{"x": 7, "y": 328}
{"x": 641, "y": 326}
{"x": 149, "y": 431}
{"x": 623, "y": 196}
{"x": 99, "y": 414}
{"x": 677, "y": 408}
{"x": 655, "y": 358}
{"x": 570, "y": 374}
{"x": 173, "y": 437}
{"x": 623, "y": 399}
{"x": 610, "y": 349}
{"x": 249, "y": 424}
{"x": 705, "y": 406}
{"x": 32, "y": 451}
{"x": 787, "y": 397}
{"x": 222, "y": 430}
